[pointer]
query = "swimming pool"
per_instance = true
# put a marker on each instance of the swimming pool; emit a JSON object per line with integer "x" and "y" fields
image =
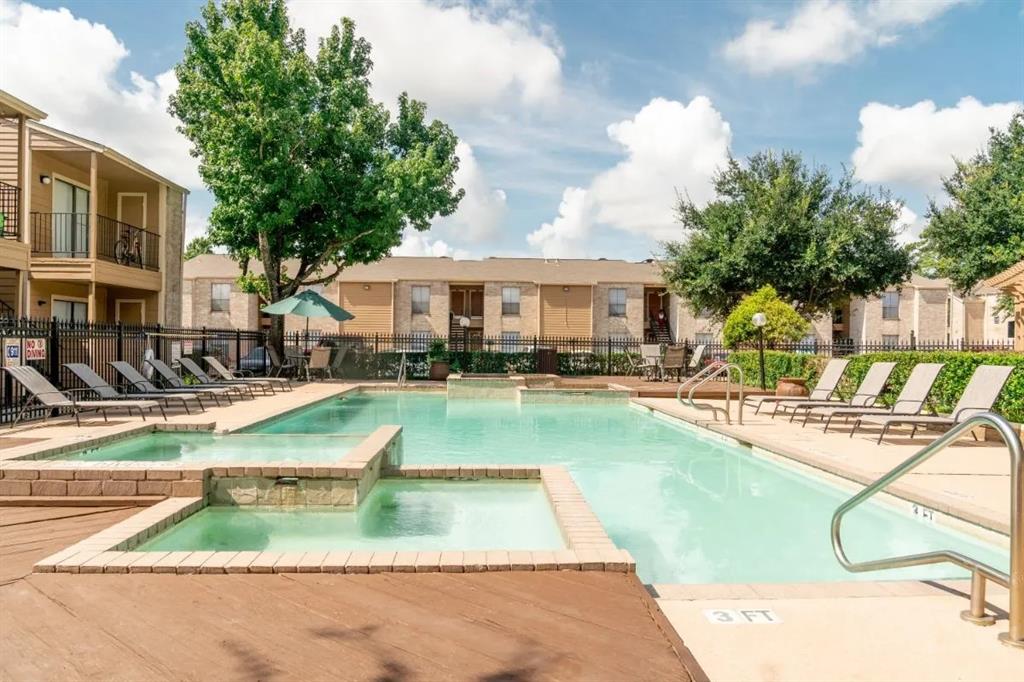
{"x": 690, "y": 509}
{"x": 192, "y": 446}
{"x": 396, "y": 515}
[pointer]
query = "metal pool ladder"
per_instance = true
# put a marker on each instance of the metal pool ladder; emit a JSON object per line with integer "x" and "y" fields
{"x": 713, "y": 370}
{"x": 980, "y": 572}
{"x": 400, "y": 380}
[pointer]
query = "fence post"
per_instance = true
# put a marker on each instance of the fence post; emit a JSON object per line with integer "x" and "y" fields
{"x": 913, "y": 340}
{"x": 54, "y": 353}
{"x": 609, "y": 356}
{"x": 119, "y": 347}
{"x": 159, "y": 343}
{"x": 376, "y": 342}
{"x": 238, "y": 349}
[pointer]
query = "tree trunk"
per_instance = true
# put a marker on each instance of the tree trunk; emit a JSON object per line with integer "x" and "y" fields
{"x": 275, "y": 338}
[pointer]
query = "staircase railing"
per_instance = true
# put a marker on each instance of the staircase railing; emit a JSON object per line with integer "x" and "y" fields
{"x": 702, "y": 377}
{"x": 980, "y": 572}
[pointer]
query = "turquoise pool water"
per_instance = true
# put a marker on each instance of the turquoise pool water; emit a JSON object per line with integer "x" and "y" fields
{"x": 690, "y": 509}
{"x": 207, "y": 447}
{"x": 396, "y": 515}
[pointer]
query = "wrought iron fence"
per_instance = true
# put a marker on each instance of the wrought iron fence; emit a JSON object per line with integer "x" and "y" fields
{"x": 10, "y": 204}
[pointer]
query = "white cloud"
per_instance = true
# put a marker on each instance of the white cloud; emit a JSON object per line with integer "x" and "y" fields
{"x": 416, "y": 243}
{"x": 483, "y": 207}
{"x": 671, "y": 148}
{"x": 828, "y": 32}
{"x": 67, "y": 66}
{"x": 566, "y": 235}
{"x": 909, "y": 225}
{"x": 454, "y": 57}
{"x": 916, "y": 145}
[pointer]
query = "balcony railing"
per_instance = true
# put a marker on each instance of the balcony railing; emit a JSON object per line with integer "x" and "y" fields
{"x": 60, "y": 235}
{"x": 10, "y": 203}
{"x": 126, "y": 244}
{"x": 66, "y": 235}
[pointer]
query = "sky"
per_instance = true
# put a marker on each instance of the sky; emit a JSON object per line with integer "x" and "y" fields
{"x": 581, "y": 123}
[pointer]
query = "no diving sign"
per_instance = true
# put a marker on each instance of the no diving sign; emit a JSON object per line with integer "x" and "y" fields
{"x": 742, "y": 617}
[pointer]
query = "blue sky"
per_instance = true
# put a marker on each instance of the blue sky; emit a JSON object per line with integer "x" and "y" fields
{"x": 582, "y": 120}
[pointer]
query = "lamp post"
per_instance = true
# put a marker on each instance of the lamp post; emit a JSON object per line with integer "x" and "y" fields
{"x": 760, "y": 320}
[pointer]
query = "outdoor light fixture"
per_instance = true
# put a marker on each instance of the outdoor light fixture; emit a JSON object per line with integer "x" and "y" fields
{"x": 45, "y": 179}
{"x": 565, "y": 289}
{"x": 366, "y": 287}
{"x": 759, "y": 320}
{"x": 464, "y": 323}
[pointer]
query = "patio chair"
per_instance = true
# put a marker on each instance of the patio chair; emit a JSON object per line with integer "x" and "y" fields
{"x": 979, "y": 395}
{"x": 650, "y": 360}
{"x": 172, "y": 380}
{"x": 826, "y": 386}
{"x": 195, "y": 370}
{"x": 871, "y": 386}
{"x": 44, "y": 393}
{"x": 319, "y": 361}
{"x": 674, "y": 362}
{"x": 338, "y": 361}
{"x": 910, "y": 401}
{"x": 105, "y": 391}
{"x": 278, "y": 366}
{"x": 139, "y": 382}
{"x": 696, "y": 359}
{"x": 244, "y": 375}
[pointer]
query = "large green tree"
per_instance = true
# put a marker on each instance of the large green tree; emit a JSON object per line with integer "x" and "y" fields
{"x": 980, "y": 232}
{"x": 310, "y": 174}
{"x": 776, "y": 221}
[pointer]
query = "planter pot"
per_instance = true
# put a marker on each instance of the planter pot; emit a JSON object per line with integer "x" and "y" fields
{"x": 791, "y": 386}
{"x": 439, "y": 370}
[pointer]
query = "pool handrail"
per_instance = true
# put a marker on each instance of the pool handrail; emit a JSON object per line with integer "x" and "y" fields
{"x": 980, "y": 572}
{"x": 707, "y": 374}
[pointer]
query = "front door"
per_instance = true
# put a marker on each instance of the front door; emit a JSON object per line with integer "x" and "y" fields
{"x": 70, "y": 226}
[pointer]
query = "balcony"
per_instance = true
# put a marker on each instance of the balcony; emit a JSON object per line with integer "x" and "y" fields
{"x": 10, "y": 200}
{"x": 66, "y": 235}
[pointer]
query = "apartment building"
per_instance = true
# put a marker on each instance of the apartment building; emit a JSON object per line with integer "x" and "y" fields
{"x": 88, "y": 233}
{"x": 1010, "y": 282}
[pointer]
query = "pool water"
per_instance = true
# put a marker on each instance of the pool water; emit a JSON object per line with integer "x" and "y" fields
{"x": 396, "y": 515}
{"x": 207, "y": 447}
{"x": 690, "y": 509}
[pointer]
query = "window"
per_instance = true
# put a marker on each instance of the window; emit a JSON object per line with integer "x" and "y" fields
{"x": 1009, "y": 329}
{"x": 616, "y": 303}
{"x": 703, "y": 338}
{"x": 420, "y": 300}
{"x": 891, "y": 305}
{"x": 70, "y": 311}
{"x": 510, "y": 341}
{"x": 510, "y": 300}
{"x": 220, "y": 298}
{"x": 890, "y": 339}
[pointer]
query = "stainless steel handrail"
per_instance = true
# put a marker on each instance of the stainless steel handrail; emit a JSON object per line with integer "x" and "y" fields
{"x": 400, "y": 380}
{"x": 980, "y": 572}
{"x": 706, "y": 375}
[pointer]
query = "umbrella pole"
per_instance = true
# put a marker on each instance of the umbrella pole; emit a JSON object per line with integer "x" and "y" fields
{"x": 307, "y": 334}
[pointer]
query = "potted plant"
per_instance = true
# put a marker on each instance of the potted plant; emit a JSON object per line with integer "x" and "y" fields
{"x": 437, "y": 356}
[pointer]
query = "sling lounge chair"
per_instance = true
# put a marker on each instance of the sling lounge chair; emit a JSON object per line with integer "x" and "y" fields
{"x": 244, "y": 375}
{"x": 104, "y": 391}
{"x": 697, "y": 359}
{"x": 172, "y": 380}
{"x": 871, "y": 386}
{"x": 674, "y": 362}
{"x": 910, "y": 401}
{"x": 979, "y": 395}
{"x": 826, "y": 386}
{"x": 138, "y": 381}
{"x": 195, "y": 370}
{"x": 42, "y": 392}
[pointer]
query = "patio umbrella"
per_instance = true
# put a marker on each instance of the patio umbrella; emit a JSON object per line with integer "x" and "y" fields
{"x": 308, "y": 304}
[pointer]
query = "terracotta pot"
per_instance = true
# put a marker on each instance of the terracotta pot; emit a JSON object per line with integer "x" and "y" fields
{"x": 439, "y": 370}
{"x": 791, "y": 386}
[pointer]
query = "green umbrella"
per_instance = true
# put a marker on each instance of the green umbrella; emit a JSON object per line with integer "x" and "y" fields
{"x": 308, "y": 304}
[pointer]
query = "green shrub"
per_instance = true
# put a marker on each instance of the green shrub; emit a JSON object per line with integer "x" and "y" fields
{"x": 784, "y": 323}
{"x": 776, "y": 364}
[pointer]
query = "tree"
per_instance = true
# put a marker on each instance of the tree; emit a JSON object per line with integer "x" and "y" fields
{"x": 309, "y": 173}
{"x": 779, "y": 222}
{"x": 784, "y": 323}
{"x": 980, "y": 232}
{"x": 198, "y": 247}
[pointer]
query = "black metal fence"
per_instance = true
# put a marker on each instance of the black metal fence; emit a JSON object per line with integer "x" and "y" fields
{"x": 10, "y": 205}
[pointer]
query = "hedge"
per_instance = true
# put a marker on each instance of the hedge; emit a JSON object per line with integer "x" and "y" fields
{"x": 385, "y": 365}
{"x": 959, "y": 366}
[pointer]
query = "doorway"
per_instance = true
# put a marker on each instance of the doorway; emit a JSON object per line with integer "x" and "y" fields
{"x": 130, "y": 311}
{"x": 70, "y": 226}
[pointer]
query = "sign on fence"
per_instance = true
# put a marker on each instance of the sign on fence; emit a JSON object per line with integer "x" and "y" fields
{"x": 12, "y": 353}
{"x": 175, "y": 352}
{"x": 186, "y": 347}
{"x": 35, "y": 349}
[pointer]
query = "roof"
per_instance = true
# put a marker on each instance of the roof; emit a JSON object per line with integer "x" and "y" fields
{"x": 106, "y": 151}
{"x": 536, "y": 270}
{"x": 1008, "y": 278}
{"x": 12, "y": 106}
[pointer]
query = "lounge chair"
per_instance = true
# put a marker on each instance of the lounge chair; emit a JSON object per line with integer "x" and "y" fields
{"x": 138, "y": 381}
{"x": 871, "y": 386}
{"x": 674, "y": 362}
{"x": 104, "y": 391}
{"x": 244, "y": 375}
{"x": 826, "y": 386}
{"x": 696, "y": 359}
{"x": 338, "y": 361}
{"x": 910, "y": 401}
{"x": 195, "y": 370}
{"x": 650, "y": 360}
{"x": 278, "y": 366}
{"x": 44, "y": 393}
{"x": 979, "y": 395}
{"x": 172, "y": 380}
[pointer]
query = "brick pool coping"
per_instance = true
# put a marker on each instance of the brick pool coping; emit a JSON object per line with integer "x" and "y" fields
{"x": 588, "y": 546}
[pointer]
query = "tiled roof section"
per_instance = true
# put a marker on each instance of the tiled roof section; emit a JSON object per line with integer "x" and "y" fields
{"x": 538, "y": 270}
{"x": 1008, "y": 276}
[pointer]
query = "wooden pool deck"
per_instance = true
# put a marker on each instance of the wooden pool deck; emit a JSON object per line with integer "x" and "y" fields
{"x": 484, "y": 626}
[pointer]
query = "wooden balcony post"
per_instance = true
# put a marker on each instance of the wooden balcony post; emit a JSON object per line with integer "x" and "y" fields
{"x": 25, "y": 208}
{"x": 93, "y": 212}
